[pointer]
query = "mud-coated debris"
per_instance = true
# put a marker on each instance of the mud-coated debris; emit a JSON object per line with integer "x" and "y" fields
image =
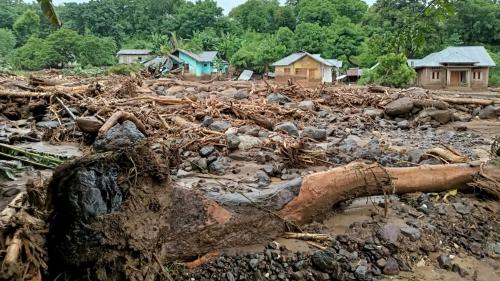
{"x": 391, "y": 267}
{"x": 207, "y": 120}
{"x": 415, "y": 155}
{"x": 444, "y": 262}
{"x": 47, "y": 124}
{"x": 278, "y": 98}
{"x": 10, "y": 192}
{"x": 242, "y": 94}
{"x": 489, "y": 112}
{"x": 288, "y": 127}
{"x": 400, "y": 106}
{"x": 442, "y": 116}
{"x": 306, "y": 105}
{"x": 183, "y": 173}
{"x": 118, "y": 137}
{"x": 411, "y": 232}
{"x": 390, "y": 233}
{"x": 262, "y": 178}
{"x": 273, "y": 245}
{"x": 207, "y": 150}
{"x": 314, "y": 133}
{"x": 461, "y": 208}
{"x": 381, "y": 262}
{"x": 403, "y": 124}
{"x": 219, "y": 126}
{"x": 373, "y": 112}
{"x": 89, "y": 124}
{"x": 460, "y": 270}
{"x": 232, "y": 141}
{"x": 247, "y": 142}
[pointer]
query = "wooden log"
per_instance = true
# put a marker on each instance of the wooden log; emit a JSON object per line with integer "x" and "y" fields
{"x": 431, "y": 103}
{"x": 121, "y": 116}
{"x": 468, "y": 100}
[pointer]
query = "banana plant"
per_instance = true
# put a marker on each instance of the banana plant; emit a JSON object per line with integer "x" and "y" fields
{"x": 49, "y": 11}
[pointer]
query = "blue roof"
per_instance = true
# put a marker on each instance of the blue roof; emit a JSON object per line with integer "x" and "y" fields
{"x": 201, "y": 57}
{"x": 474, "y": 55}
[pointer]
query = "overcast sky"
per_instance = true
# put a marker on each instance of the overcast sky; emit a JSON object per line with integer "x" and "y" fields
{"x": 226, "y": 4}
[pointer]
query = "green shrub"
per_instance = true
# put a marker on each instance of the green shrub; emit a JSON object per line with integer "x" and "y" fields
{"x": 495, "y": 71}
{"x": 392, "y": 70}
{"x": 124, "y": 69}
{"x": 88, "y": 71}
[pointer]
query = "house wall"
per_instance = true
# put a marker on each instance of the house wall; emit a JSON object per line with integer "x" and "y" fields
{"x": 314, "y": 76}
{"x": 424, "y": 77}
{"x": 196, "y": 68}
{"x": 480, "y": 83}
{"x": 128, "y": 59}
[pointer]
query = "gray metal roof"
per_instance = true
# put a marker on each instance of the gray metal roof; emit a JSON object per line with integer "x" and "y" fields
{"x": 475, "y": 55}
{"x": 201, "y": 57}
{"x": 297, "y": 56}
{"x": 134, "y": 52}
{"x": 245, "y": 75}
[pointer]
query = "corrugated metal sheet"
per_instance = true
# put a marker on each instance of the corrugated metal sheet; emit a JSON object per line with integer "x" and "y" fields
{"x": 134, "y": 52}
{"x": 201, "y": 57}
{"x": 297, "y": 56}
{"x": 475, "y": 55}
{"x": 245, "y": 75}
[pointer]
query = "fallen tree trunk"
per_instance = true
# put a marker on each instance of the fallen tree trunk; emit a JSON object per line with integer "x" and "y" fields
{"x": 116, "y": 213}
{"x": 468, "y": 100}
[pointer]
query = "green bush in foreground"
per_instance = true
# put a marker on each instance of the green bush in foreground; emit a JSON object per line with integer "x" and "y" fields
{"x": 124, "y": 69}
{"x": 392, "y": 71}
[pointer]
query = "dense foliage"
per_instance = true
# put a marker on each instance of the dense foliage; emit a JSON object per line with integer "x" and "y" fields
{"x": 253, "y": 34}
{"x": 392, "y": 70}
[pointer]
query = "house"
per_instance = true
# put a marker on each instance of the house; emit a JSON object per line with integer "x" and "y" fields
{"x": 306, "y": 68}
{"x": 128, "y": 56}
{"x": 454, "y": 67}
{"x": 201, "y": 64}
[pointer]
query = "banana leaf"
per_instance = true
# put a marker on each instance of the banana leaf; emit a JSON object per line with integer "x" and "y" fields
{"x": 49, "y": 11}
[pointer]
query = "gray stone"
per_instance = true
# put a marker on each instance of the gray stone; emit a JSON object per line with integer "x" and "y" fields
{"x": 444, "y": 262}
{"x": 217, "y": 166}
{"x": 207, "y": 120}
{"x": 462, "y": 116}
{"x": 314, "y": 133}
{"x": 413, "y": 233}
{"x": 231, "y": 92}
{"x": 219, "y": 126}
{"x": 288, "y": 127}
{"x": 400, "y": 106}
{"x": 242, "y": 94}
{"x": 403, "y": 124}
{"x": 373, "y": 112}
{"x": 207, "y": 150}
{"x": 391, "y": 267}
{"x": 390, "y": 233}
{"x": 361, "y": 272}
{"x": 182, "y": 173}
{"x": 202, "y": 163}
{"x": 415, "y": 155}
{"x": 263, "y": 179}
{"x": 232, "y": 141}
{"x": 253, "y": 263}
{"x": 489, "y": 112}
{"x": 47, "y": 124}
{"x": 278, "y": 98}
{"x": 10, "y": 192}
{"x": 442, "y": 116}
{"x": 381, "y": 262}
{"x": 118, "y": 137}
{"x": 461, "y": 208}
{"x": 247, "y": 142}
{"x": 172, "y": 91}
{"x": 306, "y": 105}
{"x": 230, "y": 276}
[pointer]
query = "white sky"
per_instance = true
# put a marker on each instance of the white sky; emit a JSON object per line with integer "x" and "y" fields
{"x": 226, "y": 4}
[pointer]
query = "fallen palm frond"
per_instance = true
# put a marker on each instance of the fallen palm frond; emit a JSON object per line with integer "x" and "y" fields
{"x": 39, "y": 159}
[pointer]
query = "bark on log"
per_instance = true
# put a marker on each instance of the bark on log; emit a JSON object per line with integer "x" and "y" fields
{"x": 469, "y": 100}
{"x": 121, "y": 116}
{"x": 431, "y": 103}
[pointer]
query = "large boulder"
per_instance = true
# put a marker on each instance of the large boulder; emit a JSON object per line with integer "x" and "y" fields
{"x": 489, "y": 112}
{"x": 119, "y": 136}
{"x": 398, "y": 107}
{"x": 442, "y": 116}
{"x": 288, "y": 127}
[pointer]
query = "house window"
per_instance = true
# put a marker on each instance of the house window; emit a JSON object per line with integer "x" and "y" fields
{"x": 301, "y": 72}
{"x": 476, "y": 75}
{"x": 205, "y": 64}
{"x": 139, "y": 58}
{"x": 287, "y": 71}
{"x": 312, "y": 73}
{"x": 435, "y": 75}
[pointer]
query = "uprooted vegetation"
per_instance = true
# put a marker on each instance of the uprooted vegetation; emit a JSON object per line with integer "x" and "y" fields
{"x": 179, "y": 171}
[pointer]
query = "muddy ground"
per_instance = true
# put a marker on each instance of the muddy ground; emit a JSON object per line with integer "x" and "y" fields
{"x": 230, "y": 137}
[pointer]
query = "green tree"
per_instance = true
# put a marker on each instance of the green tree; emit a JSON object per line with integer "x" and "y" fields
{"x": 193, "y": 17}
{"x": 26, "y": 25}
{"x": 31, "y": 56}
{"x": 392, "y": 70}
{"x": 263, "y": 15}
{"x": 7, "y": 42}
{"x": 353, "y": 9}
{"x": 310, "y": 37}
{"x": 63, "y": 46}
{"x": 316, "y": 11}
{"x": 96, "y": 51}
{"x": 344, "y": 42}
{"x": 286, "y": 38}
{"x": 257, "y": 52}
{"x": 494, "y": 79}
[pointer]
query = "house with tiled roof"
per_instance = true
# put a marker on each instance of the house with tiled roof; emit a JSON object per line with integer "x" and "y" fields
{"x": 454, "y": 67}
{"x": 307, "y": 68}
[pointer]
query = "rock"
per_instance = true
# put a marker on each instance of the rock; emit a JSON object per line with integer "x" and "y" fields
{"x": 231, "y": 92}
{"x": 202, "y": 164}
{"x": 400, "y": 106}
{"x": 306, "y": 105}
{"x": 462, "y": 116}
{"x": 391, "y": 267}
{"x": 458, "y": 269}
{"x": 403, "y": 124}
{"x": 253, "y": 263}
{"x": 373, "y": 112}
{"x": 247, "y": 142}
{"x": 314, "y": 133}
{"x": 444, "y": 262}
{"x": 47, "y": 124}
{"x": 488, "y": 112}
{"x": 219, "y": 126}
{"x": 174, "y": 90}
{"x": 461, "y": 208}
{"x": 241, "y": 94}
{"x": 288, "y": 127}
{"x": 182, "y": 173}
{"x": 118, "y": 137}
{"x": 361, "y": 272}
{"x": 207, "y": 120}
{"x": 325, "y": 260}
{"x": 207, "y": 150}
{"x": 9, "y": 192}
{"x": 442, "y": 116}
{"x": 262, "y": 178}
{"x": 390, "y": 233}
{"x": 217, "y": 166}
{"x": 381, "y": 262}
{"x": 230, "y": 276}
{"x": 232, "y": 141}
{"x": 415, "y": 155}
{"x": 89, "y": 124}
{"x": 411, "y": 232}
{"x": 278, "y": 98}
